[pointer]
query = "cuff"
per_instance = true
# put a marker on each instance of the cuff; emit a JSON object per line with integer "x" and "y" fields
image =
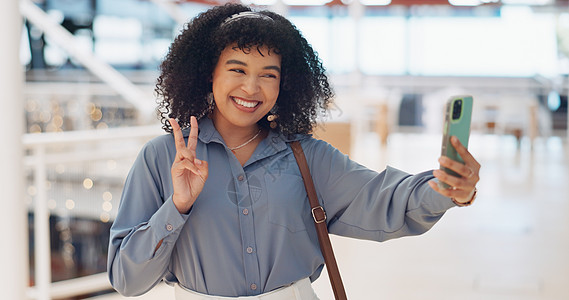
{"x": 167, "y": 220}
{"x": 437, "y": 202}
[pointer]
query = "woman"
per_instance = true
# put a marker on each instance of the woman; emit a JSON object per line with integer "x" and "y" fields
{"x": 220, "y": 208}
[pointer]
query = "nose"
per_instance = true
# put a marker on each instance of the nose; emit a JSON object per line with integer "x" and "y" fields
{"x": 250, "y": 85}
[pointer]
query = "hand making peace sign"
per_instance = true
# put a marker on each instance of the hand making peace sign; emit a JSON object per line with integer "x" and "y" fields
{"x": 188, "y": 173}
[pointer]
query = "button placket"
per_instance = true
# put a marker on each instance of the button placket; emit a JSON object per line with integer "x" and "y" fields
{"x": 246, "y": 224}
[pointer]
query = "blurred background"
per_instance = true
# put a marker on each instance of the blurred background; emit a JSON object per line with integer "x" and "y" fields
{"x": 88, "y": 70}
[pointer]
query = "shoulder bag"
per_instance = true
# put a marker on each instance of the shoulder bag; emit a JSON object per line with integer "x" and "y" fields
{"x": 319, "y": 216}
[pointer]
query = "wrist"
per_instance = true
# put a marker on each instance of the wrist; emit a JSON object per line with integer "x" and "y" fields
{"x": 467, "y": 203}
{"x": 183, "y": 207}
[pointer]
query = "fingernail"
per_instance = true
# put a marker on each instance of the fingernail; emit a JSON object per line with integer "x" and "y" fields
{"x": 197, "y": 161}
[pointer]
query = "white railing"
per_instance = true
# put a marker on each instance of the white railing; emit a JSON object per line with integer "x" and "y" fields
{"x": 67, "y": 41}
{"x": 49, "y": 153}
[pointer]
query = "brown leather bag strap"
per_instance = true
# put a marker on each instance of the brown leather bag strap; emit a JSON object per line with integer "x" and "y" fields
{"x": 319, "y": 216}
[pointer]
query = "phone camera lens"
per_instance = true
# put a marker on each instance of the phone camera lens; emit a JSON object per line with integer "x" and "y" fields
{"x": 457, "y": 109}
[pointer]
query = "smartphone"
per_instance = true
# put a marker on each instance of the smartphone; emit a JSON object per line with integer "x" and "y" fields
{"x": 458, "y": 114}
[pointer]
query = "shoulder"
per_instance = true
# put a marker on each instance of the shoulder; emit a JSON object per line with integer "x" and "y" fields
{"x": 160, "y": 144}
{"x": 312, "y": 145}
{"x": 161, "y": 141}
{"x": 320, "y": 153}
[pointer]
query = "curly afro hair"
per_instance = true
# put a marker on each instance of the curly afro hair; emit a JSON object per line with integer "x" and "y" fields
{"x": 185, "y": 79}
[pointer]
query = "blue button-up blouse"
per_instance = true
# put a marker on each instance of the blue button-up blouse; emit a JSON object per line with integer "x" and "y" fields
{"x": 250, "y": 230}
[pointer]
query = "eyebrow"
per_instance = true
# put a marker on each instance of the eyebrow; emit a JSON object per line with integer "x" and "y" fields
{"x": 238, "y": 62}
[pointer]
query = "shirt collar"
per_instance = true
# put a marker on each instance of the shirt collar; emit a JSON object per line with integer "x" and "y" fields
{"x": 207, "y": 133}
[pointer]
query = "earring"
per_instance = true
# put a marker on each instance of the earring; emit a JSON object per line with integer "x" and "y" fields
{"x": 210, "y": 100}
{"x": 210, "y": 103}
{"x": 272, "y": 117}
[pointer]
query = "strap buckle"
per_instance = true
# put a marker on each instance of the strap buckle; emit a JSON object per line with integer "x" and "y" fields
{"x": 316, "y": 220}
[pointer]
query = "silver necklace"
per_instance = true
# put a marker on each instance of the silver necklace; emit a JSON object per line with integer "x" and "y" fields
{"x": 246, "y": 143}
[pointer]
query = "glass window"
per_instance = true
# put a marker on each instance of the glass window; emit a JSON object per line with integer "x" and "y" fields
{"x": 331, "y": 33}
{"x": 518, "y": 43}
{"x": 382, "y": 46}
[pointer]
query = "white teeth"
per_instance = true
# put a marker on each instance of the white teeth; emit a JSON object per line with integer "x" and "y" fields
{"x": 245, "y": 103}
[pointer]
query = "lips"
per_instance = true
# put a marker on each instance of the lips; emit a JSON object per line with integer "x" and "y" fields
{"x": 246, "y": 104}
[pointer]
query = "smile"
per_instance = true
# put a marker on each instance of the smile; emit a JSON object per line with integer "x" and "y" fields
{"x": 248, "y": 104}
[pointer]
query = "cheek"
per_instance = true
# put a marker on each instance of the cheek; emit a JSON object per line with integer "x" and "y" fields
{"x": 273, "y": 90}
{"x": 223, "y": 83}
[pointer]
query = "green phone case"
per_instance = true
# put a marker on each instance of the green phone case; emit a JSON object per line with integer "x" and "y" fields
{"x": 457, "y": 123}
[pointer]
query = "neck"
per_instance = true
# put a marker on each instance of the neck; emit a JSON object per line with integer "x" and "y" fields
{"x": 234, "y": 135}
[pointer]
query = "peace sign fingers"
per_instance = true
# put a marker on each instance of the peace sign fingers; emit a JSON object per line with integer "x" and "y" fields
{"x": 183, "y": 151}
{"x": 193, "y": 139}
{"x": 188, "y": 173}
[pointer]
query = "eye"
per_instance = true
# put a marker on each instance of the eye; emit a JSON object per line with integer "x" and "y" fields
{"x": 269, "y": 76}
{"x": 240, "y": 71}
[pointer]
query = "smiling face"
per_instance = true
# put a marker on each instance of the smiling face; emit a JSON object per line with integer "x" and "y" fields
{"x": 245, "y": 86}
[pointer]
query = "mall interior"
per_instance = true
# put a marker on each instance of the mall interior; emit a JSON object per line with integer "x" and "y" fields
{"x": 78, "y": 80}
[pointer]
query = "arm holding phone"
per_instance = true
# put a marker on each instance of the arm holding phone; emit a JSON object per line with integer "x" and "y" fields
{"x": 459, "y": 170}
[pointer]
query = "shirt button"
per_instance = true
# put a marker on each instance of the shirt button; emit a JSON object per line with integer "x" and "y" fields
{"x": 253, "y": 286}
{"x": 249, "y": 250}
{"x": 169, "y": 227}
{"x": 245, "y": 211}
{"x": 240, "y": 178}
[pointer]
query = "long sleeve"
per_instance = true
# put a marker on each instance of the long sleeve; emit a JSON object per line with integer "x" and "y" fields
{"x": 250, "y": 230}
{"x": 362, "y": 203}
{"x": 145, "y": 220}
